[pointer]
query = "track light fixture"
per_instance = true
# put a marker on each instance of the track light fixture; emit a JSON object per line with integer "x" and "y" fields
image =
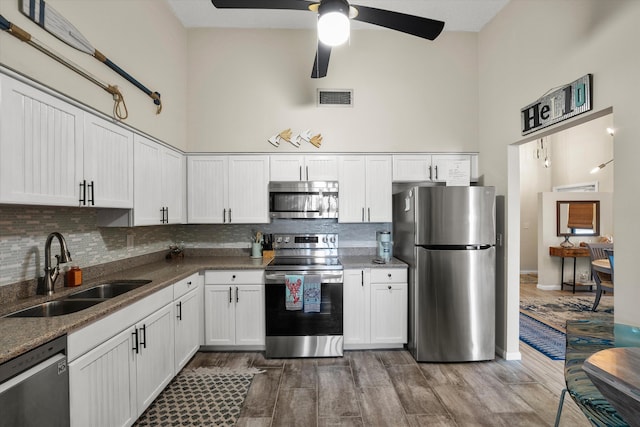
{"x": 600, "y": 166}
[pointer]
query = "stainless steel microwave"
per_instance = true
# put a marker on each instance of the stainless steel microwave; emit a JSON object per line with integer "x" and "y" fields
{"x": 303, "y": 199}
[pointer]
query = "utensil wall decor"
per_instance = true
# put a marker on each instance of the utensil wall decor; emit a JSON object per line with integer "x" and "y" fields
{"x": 53, "y": 22}
{"x": 304, "y": 136}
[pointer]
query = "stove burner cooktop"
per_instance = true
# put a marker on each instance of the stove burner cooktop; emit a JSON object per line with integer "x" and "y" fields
{"x": 305, "y": 252}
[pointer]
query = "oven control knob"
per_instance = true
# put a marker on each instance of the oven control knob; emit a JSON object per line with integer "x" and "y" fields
{"x": 324, "y": 239}
{"x": 278, "y": 239}
{"x": 286, "y": 239}
{"x": 332, "y": 239}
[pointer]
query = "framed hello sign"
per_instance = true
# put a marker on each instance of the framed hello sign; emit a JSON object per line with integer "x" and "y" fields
{"x": 561, "y": 104}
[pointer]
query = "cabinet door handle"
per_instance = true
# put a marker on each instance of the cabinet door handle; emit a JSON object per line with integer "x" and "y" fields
{"x": 91, "y": 200}
{"x": 307, "y": 167}
{"x": 224, "y": 216}
{"x": 179, "y": 305}
{"x": 135, "y": 341}
{"x": 362, "y": 278}
{"x": 166, "y": 213}
{"x": 300, "y": 172}
{"x": 368, "y": 214}
{"x": 362, "y": 214}
{"x": 237, "y": 295}
{"x": 162, "y": 215}
{"x": 436, "y": 172}
{"x": 430, "y": 174}
{"x": 83, "y": 193}
{"x": 144, "y": 336}
{"x": 229, "y": 215}
{"x": 230, "y": 300}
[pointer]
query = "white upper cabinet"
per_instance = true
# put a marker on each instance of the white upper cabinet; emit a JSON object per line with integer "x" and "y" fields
{"x": 159, "y": 184}
{"x": 40, "y": 147}
{"x": 108, "y": 164}
{"x": 303, "y": 168}
{"x": 53, "y": 153}
{"x": 207, "y": 189}
{"x": 365, "y": 188}
{"x": 430, "y": 167}
{"x": 248, "y": 189}
{"x": 228, "y": 189}
{"x": 407, "y": 168}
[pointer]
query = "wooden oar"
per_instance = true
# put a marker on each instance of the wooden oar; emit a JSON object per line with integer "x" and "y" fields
{"x": 52, "y": 21}
{"x": 119, "y": 107}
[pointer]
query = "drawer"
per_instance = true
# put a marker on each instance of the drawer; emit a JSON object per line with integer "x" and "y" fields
{"x": 185, "y": 285}
{"x": 228, "y": 277}
{"x": 388, "y": 275}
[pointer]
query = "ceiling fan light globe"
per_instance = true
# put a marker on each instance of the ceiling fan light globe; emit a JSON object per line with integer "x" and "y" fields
{"x": 333, "y": 28}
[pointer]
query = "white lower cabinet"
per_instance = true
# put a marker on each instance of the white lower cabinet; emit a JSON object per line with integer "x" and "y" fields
{"x": 114, "y": 383}
{"x": 234, "y": 309}
{"x": 375, "y": 302}
{"x": 154, "y": 356}
{"x": 102, "y": 384}
{"x": 187, "y": 328}
{"x": 121, "y": 363}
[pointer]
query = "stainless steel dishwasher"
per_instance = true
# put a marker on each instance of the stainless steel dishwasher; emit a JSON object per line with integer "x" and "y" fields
{"x": 34, "y": 387}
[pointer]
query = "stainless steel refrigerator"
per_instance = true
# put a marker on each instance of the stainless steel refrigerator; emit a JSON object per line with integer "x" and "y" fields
{"x": 447, "y": 236}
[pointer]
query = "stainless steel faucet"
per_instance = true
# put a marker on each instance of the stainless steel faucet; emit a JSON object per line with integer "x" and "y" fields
{"x": 51, "y": 273}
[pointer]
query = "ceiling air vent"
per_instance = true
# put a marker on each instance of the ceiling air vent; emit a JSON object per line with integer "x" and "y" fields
{"x": 335, "y": 97}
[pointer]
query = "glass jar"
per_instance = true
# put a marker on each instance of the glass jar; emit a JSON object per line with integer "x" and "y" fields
{"x": 74, "y": 276}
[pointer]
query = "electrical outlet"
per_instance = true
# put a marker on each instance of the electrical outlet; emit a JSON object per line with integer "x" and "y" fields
{"x": 129, "y": 241}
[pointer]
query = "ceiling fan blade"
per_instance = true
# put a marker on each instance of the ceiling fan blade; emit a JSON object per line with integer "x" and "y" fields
{"x": 321, "y": 63}
{"x": 262, "y": 4}
{"x": 410, "y": 24}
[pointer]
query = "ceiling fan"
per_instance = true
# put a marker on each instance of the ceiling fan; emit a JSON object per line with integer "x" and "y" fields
{"x": 333, "y": 22}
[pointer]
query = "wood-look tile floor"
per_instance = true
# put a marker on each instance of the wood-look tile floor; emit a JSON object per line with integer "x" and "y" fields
{"x": 388, "y": 388}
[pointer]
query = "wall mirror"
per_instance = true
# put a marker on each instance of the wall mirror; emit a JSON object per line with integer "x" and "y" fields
{"x": 578, "y": 218}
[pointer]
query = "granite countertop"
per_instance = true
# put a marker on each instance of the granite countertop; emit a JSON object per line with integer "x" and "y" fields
{"x": 21, "y": 334}
{"x": 366, "y": 261}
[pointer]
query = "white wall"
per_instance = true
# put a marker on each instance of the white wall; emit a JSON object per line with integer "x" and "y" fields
{"x": 410, "y": 94}
{"x": 548, "y": 266}
{"x": 142, "y": 37}
{"x": 529, "y": 48}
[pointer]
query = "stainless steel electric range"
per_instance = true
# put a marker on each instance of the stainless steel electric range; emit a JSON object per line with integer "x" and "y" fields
{"x": 294, "y": 332}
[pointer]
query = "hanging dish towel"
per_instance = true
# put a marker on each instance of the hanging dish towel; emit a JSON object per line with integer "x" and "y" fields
{"x": 294, "y": 287}
{"x": 312, "y": 294}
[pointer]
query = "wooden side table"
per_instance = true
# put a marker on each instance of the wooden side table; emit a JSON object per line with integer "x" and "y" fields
{"x": 575, "y": 252}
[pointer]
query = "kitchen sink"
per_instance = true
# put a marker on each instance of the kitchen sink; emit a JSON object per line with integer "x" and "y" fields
{"x": 109, "y": 289}
{"x": 80, "y": 300}
{"x": 55, "y": 308}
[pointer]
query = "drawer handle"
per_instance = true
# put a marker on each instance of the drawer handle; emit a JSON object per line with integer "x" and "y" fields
{"x": 389, "y": 275}
{"x": 389, "y": 287}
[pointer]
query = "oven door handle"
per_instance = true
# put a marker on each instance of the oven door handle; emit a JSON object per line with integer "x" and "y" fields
{"x": 278, "y": 278}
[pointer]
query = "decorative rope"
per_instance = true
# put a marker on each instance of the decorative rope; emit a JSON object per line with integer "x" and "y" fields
{"x": 119, "y": 107}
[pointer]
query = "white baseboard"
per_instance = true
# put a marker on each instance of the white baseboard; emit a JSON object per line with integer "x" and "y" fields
{"x": 514, "y": 355}
{"x": 548, "y": 287}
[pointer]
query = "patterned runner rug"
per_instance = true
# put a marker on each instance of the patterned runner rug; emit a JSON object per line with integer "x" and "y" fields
{"x": 543, "y": 338}
{"x": 200, "y": 397}
{"x": 555, "y": 311}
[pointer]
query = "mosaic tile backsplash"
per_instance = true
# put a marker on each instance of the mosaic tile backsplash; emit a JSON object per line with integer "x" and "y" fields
{"x": 24, "y": 230}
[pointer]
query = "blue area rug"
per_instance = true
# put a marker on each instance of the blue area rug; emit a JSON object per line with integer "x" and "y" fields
{"x": 543, "y": 338}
